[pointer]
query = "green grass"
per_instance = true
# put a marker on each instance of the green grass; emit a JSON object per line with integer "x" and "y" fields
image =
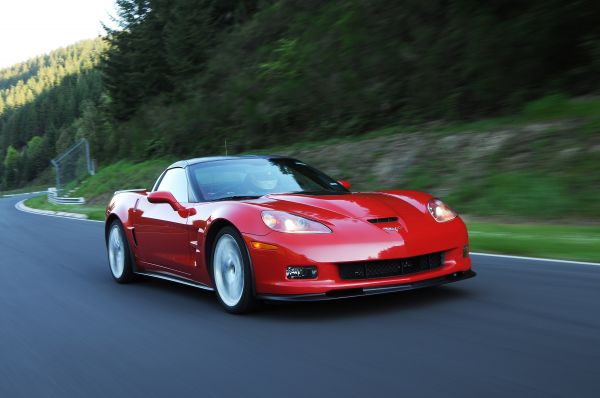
{"x": 31, "y": 188}
{"x": 120, "y": 175}
{"x": 93, "y": 212}
{"x": 524, "y": 195}
{"x": 551, "y": 108}
{"x": 569, "y": 242}
{"x": 98, "y": 189}
{"x": 559, "y": 106}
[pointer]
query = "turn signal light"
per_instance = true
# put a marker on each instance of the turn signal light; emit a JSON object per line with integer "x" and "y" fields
{"x": 263, "y": 246}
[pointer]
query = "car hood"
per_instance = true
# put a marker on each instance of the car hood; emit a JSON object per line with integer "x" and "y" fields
{"x": 375, "y": 207}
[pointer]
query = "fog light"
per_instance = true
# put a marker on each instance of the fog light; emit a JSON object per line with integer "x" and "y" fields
{"x": 301, "y": 272}
{"x": 466, "y": 251}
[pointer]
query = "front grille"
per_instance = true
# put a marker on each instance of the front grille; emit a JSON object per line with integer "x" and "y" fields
{"x": 387, "y": 268}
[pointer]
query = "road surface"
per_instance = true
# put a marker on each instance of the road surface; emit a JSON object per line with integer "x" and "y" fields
{"x": 519, "y": 329}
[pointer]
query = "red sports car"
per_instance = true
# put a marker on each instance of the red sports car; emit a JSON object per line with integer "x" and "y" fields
{"x": 273, "y": 228}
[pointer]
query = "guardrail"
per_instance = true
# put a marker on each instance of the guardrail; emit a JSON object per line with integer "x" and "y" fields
{"x": 62, "y": 200}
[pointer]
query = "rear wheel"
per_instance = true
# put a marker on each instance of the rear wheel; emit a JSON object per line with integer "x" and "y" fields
{"x": 119, "y": 255}
{"x": 232, "y": 273}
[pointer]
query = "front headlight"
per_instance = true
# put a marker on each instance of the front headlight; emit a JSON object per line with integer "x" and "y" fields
{"x": 286, "y": 222}
{"x": 440, "y": 211}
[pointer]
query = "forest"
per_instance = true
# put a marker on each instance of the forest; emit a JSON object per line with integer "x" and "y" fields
{"x": 44, "y": 104}
{"x": 179, "y": 77}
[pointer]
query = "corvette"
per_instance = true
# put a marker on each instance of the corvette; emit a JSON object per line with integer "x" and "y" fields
{"x": 258, "y": 228}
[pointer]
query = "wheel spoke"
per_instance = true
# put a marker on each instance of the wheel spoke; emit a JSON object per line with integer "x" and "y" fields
{"x": 228, "y": 270}
{"x": 116, "y": 253}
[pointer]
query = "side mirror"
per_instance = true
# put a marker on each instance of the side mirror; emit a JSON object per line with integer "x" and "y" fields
{"x": 346, "y": 184}
{"x": 167, "y": 197}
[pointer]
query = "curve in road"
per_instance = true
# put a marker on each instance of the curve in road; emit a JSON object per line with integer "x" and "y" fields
{"x": 519, "y": 329}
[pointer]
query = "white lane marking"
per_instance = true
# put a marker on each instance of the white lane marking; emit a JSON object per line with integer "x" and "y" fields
{"x": 69, "y": 216}
{"x": 548, "y": 260}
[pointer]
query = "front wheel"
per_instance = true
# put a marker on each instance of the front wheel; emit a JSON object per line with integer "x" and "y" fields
{"x": 231, "y": 271}
{"x": 119, "y": 256}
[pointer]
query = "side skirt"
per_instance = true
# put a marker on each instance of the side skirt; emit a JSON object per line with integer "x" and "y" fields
{"x": 175, "y": 279}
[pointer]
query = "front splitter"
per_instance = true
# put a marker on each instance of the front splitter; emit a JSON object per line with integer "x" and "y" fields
{"x": 360, "y": 292}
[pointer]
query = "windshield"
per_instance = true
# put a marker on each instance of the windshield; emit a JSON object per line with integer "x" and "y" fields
{"x": 247, "y": 178}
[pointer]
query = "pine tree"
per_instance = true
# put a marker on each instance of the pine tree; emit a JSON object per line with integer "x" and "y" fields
{"x": 11, "y": 167}
{"x": 40, "y": 95}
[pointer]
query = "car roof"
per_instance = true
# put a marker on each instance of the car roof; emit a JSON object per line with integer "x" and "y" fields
{"x": 189, "y": 162}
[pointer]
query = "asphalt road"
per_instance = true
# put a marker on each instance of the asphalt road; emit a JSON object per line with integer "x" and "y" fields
{"x": 520, "y": 329}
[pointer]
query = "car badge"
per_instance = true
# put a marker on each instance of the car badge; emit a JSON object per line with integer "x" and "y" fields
{"x": 392, "y": 229}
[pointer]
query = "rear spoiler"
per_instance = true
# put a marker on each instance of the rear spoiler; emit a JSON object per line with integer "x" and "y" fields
{"x": 137, "y": 190}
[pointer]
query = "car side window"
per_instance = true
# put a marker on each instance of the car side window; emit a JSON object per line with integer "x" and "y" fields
{"x": 175, "y": 181}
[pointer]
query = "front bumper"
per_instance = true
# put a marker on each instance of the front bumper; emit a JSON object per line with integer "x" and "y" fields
{"x": 269, "y": 267}
{"x": 359, "y": 292}
{"x": 327, "y": 251}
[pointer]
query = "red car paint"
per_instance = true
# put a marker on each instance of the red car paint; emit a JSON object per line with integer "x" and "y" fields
{"x": 174, "y": 239}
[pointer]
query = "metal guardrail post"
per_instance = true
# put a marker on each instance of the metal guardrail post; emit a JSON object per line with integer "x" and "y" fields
{"x": 57, "y": 167}
{"x": 58, "y": 200}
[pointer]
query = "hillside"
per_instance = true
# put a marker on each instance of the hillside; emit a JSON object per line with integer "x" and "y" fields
{"x": 528, "y": 167}
{"x": 40, "y": 101}
{"x": 492, "y": 106}
{"x": 268, "y": 73}
{"x": 511, "y": 179}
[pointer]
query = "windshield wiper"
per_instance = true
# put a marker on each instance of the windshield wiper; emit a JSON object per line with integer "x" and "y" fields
{"x": 237, "y": 197}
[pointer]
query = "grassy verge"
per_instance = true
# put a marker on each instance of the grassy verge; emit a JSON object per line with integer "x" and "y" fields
{"x": 567, "y": 242}
{"x": 98, "y": 189}
{"x": 94, "y": 212}
{"x": 31, "y": 188}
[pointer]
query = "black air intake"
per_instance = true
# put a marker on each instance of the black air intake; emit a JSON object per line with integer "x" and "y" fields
{"x": 387, "y": 268}
{"x": 382, "y": 220}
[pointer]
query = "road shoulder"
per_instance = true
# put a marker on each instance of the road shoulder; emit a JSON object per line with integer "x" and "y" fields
{"x": 21, "y": 206}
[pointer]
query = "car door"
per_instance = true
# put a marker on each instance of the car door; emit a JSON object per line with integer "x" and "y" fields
{"x": 163, "y": 236}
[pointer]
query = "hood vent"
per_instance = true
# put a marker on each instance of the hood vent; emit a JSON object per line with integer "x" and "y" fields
{"x": 382, "y": 220}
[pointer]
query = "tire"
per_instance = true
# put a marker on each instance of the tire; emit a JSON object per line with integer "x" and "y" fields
{"x": 232, "y": 272}
{"x": 120, "y": 260}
